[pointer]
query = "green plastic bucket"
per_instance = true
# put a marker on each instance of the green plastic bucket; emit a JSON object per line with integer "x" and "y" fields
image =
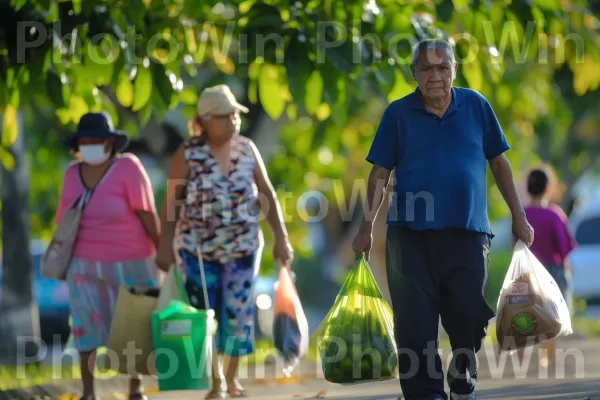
{"x": 182, "y": 337}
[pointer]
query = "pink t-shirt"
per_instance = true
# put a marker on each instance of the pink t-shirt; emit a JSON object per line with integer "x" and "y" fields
{"x": 110, "y": 231}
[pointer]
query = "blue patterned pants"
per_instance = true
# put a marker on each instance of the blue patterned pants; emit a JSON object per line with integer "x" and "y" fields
{"x": 230, "y": 294}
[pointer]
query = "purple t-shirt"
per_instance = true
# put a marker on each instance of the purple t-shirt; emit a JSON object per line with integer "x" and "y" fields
{"x": 552, "y": 239}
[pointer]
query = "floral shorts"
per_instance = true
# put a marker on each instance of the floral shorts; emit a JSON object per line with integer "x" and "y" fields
{"x": 93, "y": 290}
{"x": 230, "y": 294}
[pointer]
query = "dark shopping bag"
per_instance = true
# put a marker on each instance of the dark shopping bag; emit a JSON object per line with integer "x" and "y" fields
{"x": 290, "y": 328}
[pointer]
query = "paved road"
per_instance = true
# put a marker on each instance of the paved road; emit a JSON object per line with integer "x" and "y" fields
{"x": 501, "y": 378}
{"x": 585, "y": 389}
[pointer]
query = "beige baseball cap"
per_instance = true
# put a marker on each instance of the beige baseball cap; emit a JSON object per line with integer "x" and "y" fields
{"x": 218, "y": 100}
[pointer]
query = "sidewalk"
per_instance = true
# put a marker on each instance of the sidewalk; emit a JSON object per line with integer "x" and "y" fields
{"x": 501, "y": 377}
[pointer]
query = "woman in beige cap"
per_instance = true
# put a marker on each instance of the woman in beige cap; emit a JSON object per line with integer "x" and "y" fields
{"x": 216, "y": 180}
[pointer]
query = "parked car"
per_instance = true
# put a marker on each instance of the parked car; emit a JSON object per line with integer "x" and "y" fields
{"x": 51, "y": 296}
{"x": 585, "y": 259}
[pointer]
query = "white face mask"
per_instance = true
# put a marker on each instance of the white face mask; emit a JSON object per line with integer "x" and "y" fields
{"x": 93, "y": 154}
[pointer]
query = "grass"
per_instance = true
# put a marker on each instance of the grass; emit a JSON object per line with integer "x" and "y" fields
{"x": 588, "y": 328}
{"x": 32, "y": 375}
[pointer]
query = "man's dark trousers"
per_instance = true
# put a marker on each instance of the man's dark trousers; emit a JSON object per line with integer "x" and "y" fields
{"x": 431, "y": 274}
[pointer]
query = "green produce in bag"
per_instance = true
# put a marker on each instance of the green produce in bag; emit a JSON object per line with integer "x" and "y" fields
{"x": 356, "y": 338}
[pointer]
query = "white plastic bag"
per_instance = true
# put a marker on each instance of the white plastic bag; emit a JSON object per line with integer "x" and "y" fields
{"x": 531, "y": 308}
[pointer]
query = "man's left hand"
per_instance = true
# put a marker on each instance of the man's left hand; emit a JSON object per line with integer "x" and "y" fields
{"x": 522, "y": 230}
{"x": 283, "y": 252}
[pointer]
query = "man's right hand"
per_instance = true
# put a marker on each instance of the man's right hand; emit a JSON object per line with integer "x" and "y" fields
{"x": 363, "y": 241}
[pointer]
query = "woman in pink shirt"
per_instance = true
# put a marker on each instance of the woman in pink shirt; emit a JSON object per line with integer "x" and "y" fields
{"x": 117, "y": 239}
{"x": 552, "y": 244}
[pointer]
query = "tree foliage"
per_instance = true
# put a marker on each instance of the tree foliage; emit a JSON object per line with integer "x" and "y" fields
{"x": 327, "y": 68}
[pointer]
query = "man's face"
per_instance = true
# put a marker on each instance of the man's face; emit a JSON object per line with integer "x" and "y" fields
{"x": 435, "y": 72}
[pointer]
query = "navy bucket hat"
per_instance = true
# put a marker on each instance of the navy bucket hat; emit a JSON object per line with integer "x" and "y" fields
{"x": 97, "y": 125}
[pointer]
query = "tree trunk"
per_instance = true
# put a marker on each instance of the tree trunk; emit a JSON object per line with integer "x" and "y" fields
{"x": 19, "y": 314}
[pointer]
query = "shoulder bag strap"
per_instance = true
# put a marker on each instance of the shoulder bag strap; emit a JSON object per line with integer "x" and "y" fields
{"x": 87, "y": 193}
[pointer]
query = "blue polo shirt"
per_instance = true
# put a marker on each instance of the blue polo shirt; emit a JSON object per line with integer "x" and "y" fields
{"x": 439, "y": 164}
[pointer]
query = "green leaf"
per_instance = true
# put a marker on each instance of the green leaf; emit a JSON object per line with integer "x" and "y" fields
{"x": 314, "y": 92}
{"x": 77, "y": 107}
{"x": 125, "y": 91}
{"x": 504, "y": 96}
{"x": 54, "y": 89}
{"x": 270, "y": 91}
{"x": 103, "y": 73}
{"x": 111, "y": 109}
{"x": 144, "y": 114}
{"x": 339, "y": 114}
{"x": 118, "y": 67}
{"x": 188, "y": 112}
{"x": 6, "y": 159}
{"x": 96, "y": 70}
{"x": 298, "y": 68}
{"x": 473, "y": 74}
{"x": 188, "y": 96}
{"x": 330, "y": 85}
{"x": 460, "y": 5}
{"x": 77, "y": 6}
{"x": 9, "y": 125}
{"x": 253, "y": 91}
{"x": 17, "y": 4}
{"x": 192, "y": 8}
{"x": 142, "y": 88}
{"x": 400, "y": 89}
{"x": 135, "y": 12}
{"x": 15, "y": 97}
{"x": 292, "y": 111}
{"x": 158, "y": 103}
{"x": 92, "y": 99}
{"x": 164, "y": 87}
{"x": 385, "y": 77}
{"x": 341, "y": 57}
{"x": 245, "y": 6}
{"x": 264, "y": 15}
{"x": 444, "y": 10}
{"x": 548, "y": 4}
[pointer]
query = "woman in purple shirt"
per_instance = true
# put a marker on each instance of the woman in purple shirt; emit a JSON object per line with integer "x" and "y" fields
{"x": 552, "y": 243}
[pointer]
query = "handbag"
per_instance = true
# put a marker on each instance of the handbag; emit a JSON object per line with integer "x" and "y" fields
{"x": 56, "y": 258}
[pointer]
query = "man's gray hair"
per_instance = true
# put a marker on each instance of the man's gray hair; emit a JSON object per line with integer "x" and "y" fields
{"x": 430, "y": 44}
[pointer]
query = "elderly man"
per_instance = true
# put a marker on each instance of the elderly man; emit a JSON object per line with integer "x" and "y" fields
{"x": 438, "y": 140}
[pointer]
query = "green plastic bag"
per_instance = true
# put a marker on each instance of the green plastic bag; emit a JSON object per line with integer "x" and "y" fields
{"x": 172, "y": 288}
{"x": 356, "y": 338}
{"x": 182, "y": 337}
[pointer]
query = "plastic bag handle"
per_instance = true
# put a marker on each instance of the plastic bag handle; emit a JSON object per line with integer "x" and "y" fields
{"x": 203, "y": 277}
{"x": 202, "y": 273}
{"x": 520, "y": 245}
{"x": 292, "y": 273}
